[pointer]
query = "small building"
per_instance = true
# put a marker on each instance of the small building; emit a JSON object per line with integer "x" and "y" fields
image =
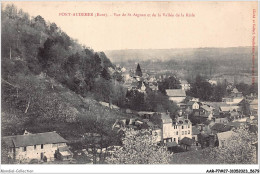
{"x": 184, "y": 85}
{"x": 64, "y": 154}
{"x": 193, "y": 105}
{"x": 176, "y": 95}
{"x": 228, "y": 109}
{"x": 186, "y": 143}
{"x": 224, "y": 137}
{"x": 39, "y": 146}
{"x": 254, "y": 107}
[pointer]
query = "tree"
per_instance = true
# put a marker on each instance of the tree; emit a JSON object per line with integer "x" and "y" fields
{"x": 135, "y": 100}
{"x": 201, "y": 89}
{"x": 219, "y": 91}
{"x": 157, "y": 102}
{"x": 140, "y": 147}
{"x": 169, "y": 83}
{"x": 105, "y": 74}
{"x": 238, "y": 149}
{"x": 138, "y": 71}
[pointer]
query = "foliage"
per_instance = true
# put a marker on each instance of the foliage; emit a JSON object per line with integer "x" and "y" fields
{"x": 169, "y": 83}
{"x": 41, "y": 46}
{"x": 238, "y": 149}
{"x": 157, "y": 102}
{"x": 135, "y": 100}
{"x": 203, "y": 90}
{"x": 247, "y": 89}
{"x": 140, "y": 147}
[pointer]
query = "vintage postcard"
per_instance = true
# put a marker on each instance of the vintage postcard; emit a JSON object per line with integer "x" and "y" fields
{"x": 157, "y": 87}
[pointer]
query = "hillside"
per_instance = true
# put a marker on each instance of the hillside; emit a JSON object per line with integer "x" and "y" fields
{"x": 50, "y": 82}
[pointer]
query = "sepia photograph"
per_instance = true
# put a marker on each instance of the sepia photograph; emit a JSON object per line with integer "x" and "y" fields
{"x": 134, "y": 82}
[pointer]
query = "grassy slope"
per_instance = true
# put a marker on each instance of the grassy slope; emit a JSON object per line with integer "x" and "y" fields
{"x": 192, "y": 157}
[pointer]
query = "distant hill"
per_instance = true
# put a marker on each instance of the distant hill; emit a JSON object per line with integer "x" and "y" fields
{"x": 187, "y": 63}
{"x": 181, "y": 53}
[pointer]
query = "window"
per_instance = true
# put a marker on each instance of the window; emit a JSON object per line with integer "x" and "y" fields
{"x": 188, "y": 132}
{"x": 188, "y": 126}
{"x": 24, "y": 149}
{"x": 182, "y": 132}
{"x": 174, "y": 139}
{"x": 41, "y": 146}
{"x": 185, "y": 132}
{"x": 177, "y": 133}
{"x": 34, "y": 147}
{"x": 182, "y": 127}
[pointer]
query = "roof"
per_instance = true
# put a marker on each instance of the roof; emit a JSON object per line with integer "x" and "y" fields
{"x": 171, "y": 144}
{"x": 166, "y": 118}
{"x": 64, "y": 151}
{"x": 186, "y": 141}
{"x": 33, "y": 139}
{"x": 225, "y": 135}
{"x": 235, "y": 90}
{"x": 216, "y": 104}
{"x": 206, "y": 107}
{"x": 195, "y": 131}
{"x": 190, "y": 103}
{"x": 221, "y": 127}
{"x": 228, "y": 108}
{"x": 184, "y": 82}
{"x": 181, "y": 120}
{"x": 176, "y": 93}
{"x": 235, "y": 124}
{"x": 254, "y": 102}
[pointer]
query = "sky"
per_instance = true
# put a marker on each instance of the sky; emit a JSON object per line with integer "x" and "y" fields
{"x": 211, "y": 24}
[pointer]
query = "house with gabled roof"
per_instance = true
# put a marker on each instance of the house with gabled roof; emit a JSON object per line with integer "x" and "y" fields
{"x": 40, "y": 146}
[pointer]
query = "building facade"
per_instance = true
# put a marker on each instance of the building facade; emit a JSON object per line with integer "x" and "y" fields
{"x": 40, "y": 146}
{"x": 175, "y": 130}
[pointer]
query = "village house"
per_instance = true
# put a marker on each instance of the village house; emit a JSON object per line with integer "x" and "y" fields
{"x": 176, "y": 95}
{"x": 234, "y": 98}
{"x": 229, "y": 109}
{"x": 213, "y": 82}
{"x": 40, "y": 146}
{"x": 184, "y": 85}
{"x": 186, "y": 143}
{"x": 193, "y": 105}
{"x": 175, "y": 130}
{"x": 254, "y": 107}
{"x": 224, "y": 137}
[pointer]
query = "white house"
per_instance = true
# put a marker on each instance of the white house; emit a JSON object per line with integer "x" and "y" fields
{"x": 176, "y": 95}
{"x": 184, "y": 85}
{"x": 175, "y": 130}
{"x": 23, "y": 148}
{"x": 193, "y": 105}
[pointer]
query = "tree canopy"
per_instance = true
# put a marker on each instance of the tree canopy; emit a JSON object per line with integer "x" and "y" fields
{"x": 239, "y": 149}
{"x": 140, "y": 147}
